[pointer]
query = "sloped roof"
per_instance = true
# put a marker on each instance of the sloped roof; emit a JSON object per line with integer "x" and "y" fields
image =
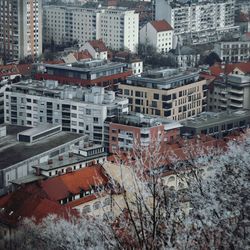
{"x": 218, "y": 69}
{"x": 24, "y": 69}
{"x": 161, "y": 25}
{"x": 26, "y": 202}
{"x": 60, "y": 187}
{"x": 98, "y": 45}
{"x": 7, "y": 70}
{"x": 245, "y": 67}
{"x": 81, "y": 55}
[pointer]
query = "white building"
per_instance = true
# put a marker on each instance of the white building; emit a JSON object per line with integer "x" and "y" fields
{"x": 159, "y": 34}
{"x": 20, "y": 29}
{"x": 96, "y": 48}
{"x": 117, "y": 27}
{"x": 203, "y": 21}
{"x": 77, "y": 109}
{"x": 236, "y": 51}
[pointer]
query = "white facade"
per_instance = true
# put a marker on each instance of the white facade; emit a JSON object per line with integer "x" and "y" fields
{"x": 117, "y": 27}
{"x": 203, "y": 21}
{"x": 233, "y": 51}
{"x": 66, "y": 107}
{"x": 136, "y": 66}
{"x": 99, "y": 55}
{"x": 20, "y": 29}
{"x": 161, "y": 40}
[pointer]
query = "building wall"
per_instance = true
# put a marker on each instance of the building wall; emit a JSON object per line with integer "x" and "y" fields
{"x": 21, "y": 32}
{"x": 203, "y": 20}
{"x": 181, "y": 103}
{"x": 25, "y": 167}
{"x": 229, "y": 97}
{"x": 162, "y": 41}
{"x": 233, "y": 51}
{"x": 80, "y": 117}
{"x": 117, "y": 28}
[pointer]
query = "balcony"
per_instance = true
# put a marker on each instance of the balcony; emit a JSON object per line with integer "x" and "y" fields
{"x": 237, "y": 91}
{"x": 238, "y": 98}
{"x": 236, "y": 105}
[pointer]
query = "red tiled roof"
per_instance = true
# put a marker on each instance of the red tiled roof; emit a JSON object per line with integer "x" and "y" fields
{"x": 55, "y": 62}
{"x": 245, "y": 67}
{"x": 60, "y": 187}
{"x": 8, "y": 70}
{"x": 25, "y": 203}
{"x": 82, "y": 55}
{"x": 98, "y": 45}
{"x": 161, "y": 25}
{"x": 24, "y": 69}
{"x": 218, "y": 69}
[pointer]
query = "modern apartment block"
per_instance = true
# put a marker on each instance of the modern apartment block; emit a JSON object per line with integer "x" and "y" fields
{"x": 77, "y": 109}
{"x": 117, "y": 27}
{"x": 231, "y": 92}
{"x": 20, "y": 29}
{"x": 86, "y": 73}
{"x": 158, "y": 34}
{"x": 234, "y": 51}
{"x": 128, "y": 132}
{"x": 168, "y": 93}
{"x": 202, "y": 21}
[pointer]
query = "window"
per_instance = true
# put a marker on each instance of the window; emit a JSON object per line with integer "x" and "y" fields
{"x": 126, "y": 91}
{"x": 156, "y": 96}
{"x": 95, "y": 119}
{"x": 154, "y": 104}
{"x": 167, "y": 113}
{"x": 180, "y": 93}
{"x": 166, "y": 97}
{"x": 88, "y": 111}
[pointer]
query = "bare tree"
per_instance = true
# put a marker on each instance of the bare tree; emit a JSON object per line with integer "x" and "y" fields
{"x": 208, "y": 208}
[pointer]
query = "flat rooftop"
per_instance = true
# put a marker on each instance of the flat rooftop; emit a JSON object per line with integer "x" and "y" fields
{"x": 164, "y": 78}
{"x": 141, "y": 120}
{"x": 212, "y": 118}
{"x": 39, "y": 129}
{"x": 12, "y": 151}
{"x": 67, "y": 160}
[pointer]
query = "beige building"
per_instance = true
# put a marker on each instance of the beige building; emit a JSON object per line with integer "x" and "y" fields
{"x": 166, "y": 93}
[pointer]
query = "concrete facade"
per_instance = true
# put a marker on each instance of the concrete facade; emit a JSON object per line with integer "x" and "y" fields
{"x": 21, "y": 29}
{"x": 117, "y": 27}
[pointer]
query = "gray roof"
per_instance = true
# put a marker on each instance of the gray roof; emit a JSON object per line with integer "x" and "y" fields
{"x": 207, "y": 119}
{"x": 12, "y": 151}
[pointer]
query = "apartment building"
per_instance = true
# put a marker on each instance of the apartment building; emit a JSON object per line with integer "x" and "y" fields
{"x": 202, "y": 21}
{"x": 234, "y": 51}
{"x": 231, "y": 92}
{"x": 85, "y": 73}
{"x": 159, "y": 34}
{"x": 20, "y": 29}
{"x": 216, "y": 124}
{"x": 167, "y": 93}
{"x": 77, "y": 109}
{"x": 128, "y": 132}
{"x": 117, "y": 27}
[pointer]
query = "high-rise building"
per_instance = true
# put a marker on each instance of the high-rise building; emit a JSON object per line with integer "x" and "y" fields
{"x": 20, "y": 29}
{"x": 117, "y": 27}
{"x": 202, "y": 21}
